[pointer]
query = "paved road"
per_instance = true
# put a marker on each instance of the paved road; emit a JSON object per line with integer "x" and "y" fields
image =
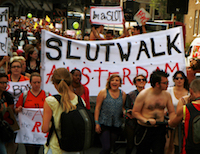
{"x": 92, "y": 150}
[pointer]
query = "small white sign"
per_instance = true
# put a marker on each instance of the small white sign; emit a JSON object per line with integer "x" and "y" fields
{"x": 142, "y": 16}
{"x": 106, "y": 15}
{"x": 58, "y": 26}
{"x": 30, "y": 122}
{"x": 3, "y": 30}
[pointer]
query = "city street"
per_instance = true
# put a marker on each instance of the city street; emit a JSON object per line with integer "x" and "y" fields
{"x": 92, "y": 150}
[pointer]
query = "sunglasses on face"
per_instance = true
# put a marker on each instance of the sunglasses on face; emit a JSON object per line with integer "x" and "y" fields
{"x": 179, "y": 78}
{"x": 141, "y": 80}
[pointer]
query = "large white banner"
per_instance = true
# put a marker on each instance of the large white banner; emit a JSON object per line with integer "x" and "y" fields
{"x": 3, "y": 30}
{"x": 128, "y": 57}
{"x": 30, "y": 123}
{"x": 106, "y": 15}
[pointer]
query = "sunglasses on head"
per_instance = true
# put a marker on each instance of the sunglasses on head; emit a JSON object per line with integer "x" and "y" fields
{"x": 140, "y": 80}
{"x": 179, "y": 78}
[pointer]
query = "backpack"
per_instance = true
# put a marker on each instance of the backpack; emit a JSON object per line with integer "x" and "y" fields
{"x": 25, "y": 93}
{"x": 77, "y": 128}
{"x": 193, "y": 139}
{"x": 6, "y": 132}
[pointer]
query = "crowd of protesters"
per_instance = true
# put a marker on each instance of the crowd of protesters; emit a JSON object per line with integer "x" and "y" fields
{"x": 24, "y": 64}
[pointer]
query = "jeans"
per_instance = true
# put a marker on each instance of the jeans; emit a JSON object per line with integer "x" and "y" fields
{"x": 2, "y": 148}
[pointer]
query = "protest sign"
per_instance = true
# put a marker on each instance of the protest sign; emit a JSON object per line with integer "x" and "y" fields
{"x": 3, "y": 30}
{"x": 30, "y": 122}
{"x": 106, "y": 15}
{"x": 16, "y": 88}
{"x": 128, "y": 57}
{"x": 9, "y": 116}
{"x": 142, "y": 16}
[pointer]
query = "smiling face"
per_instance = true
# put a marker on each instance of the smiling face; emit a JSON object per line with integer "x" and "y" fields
{"x": 140, "y": 82}
{"x": 115, "y": 83}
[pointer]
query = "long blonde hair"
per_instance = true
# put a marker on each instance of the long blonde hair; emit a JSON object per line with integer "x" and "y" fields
{"x": 63, "y": 79}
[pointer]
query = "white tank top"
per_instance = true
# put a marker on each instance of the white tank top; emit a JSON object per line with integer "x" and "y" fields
{"x": 174, "y": 99}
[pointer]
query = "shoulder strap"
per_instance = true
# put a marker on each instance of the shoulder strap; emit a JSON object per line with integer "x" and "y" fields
{"x": 53, "y": 128}
{"x": 191, "y": 108}
{"x": 25, "y": 93}
{"x": 80, "y": 101}
{"x": 58, "y": 97}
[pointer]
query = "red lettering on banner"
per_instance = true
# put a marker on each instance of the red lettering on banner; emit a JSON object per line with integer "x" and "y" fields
{"x": 100, "y": 70}
{"x": 172, "y": 70}
{"x": 46, "y": 134}
{"x": 40, "y": 114}
{"x": 36, "y": 126}
{"x": 51, "y": 73}
{"x": 88, "y": 78}
{"x": 157, "y": 68}
{"x": 110, "y": 73}
{"x": 139, "y": 67}
{"x": 127, "y": 76}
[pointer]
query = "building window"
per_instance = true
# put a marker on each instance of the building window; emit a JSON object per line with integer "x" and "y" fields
{"x": 147, "y": 7}
{"x": 196, "y": 22}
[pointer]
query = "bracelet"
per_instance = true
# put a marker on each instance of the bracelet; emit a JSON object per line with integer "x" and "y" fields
{"x": 97, "y": 122}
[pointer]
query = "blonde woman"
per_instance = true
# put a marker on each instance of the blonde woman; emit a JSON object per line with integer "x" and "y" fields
{"x": 62, "y": 80}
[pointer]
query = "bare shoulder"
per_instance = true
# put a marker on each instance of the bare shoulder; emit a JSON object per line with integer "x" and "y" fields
{"x": 145, "y": 92}
{"x": 123, "y": 93}
{"x": 103, "y": 93}
{"x": 166, "y": 93}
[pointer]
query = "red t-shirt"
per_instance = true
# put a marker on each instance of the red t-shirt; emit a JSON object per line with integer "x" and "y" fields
{"x": 22, "y": 78}
{"x": 86, "y": 97}
{"x": 32, "y": 101}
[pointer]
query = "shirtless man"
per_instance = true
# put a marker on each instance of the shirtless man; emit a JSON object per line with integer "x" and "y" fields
{"x": 148, "y": 109}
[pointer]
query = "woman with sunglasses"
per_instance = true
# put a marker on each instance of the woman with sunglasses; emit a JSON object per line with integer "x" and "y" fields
{"x": 130, "y": 122}
{"x": 180, "y": 89}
